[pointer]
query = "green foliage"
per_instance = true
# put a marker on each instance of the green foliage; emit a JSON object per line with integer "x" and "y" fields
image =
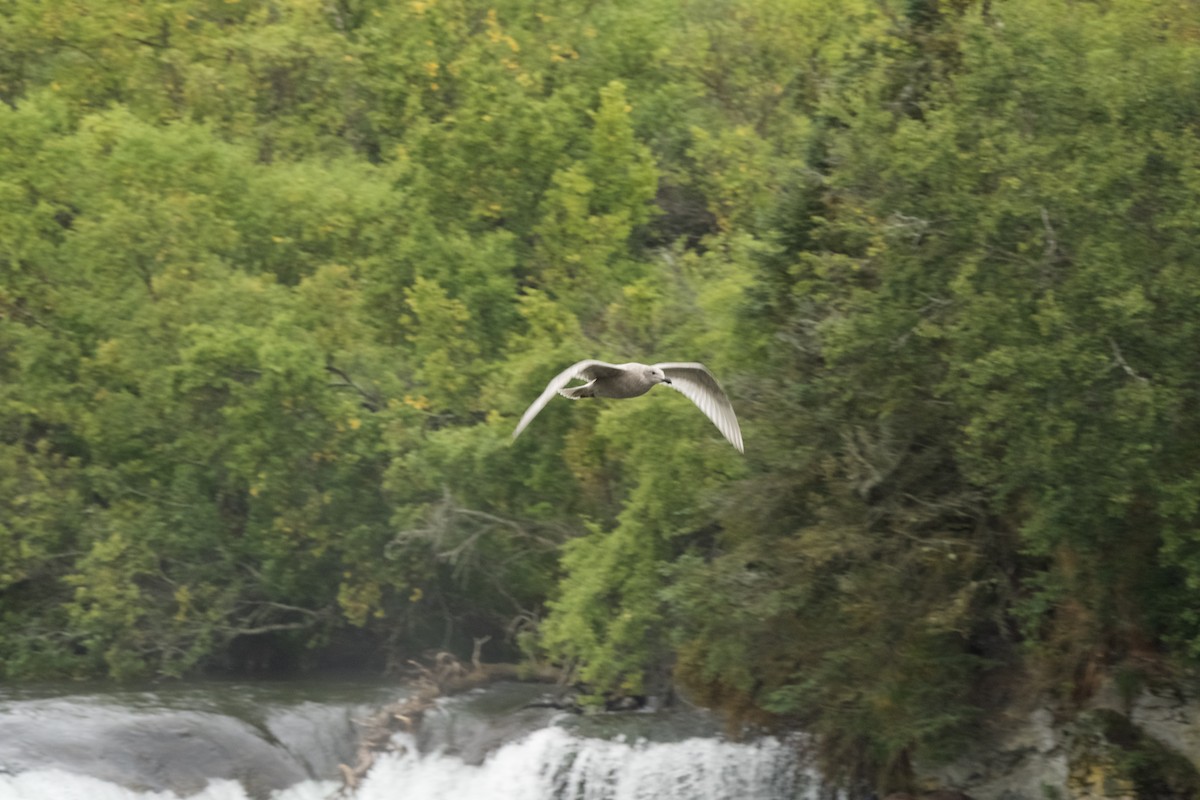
{"x": 275, "y": 281}
{"x": 1035, "y": 261}
{"x": 592, "y": 208}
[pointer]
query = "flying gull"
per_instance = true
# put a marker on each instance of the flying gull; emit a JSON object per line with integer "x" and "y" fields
{"x": 619, "y": 381}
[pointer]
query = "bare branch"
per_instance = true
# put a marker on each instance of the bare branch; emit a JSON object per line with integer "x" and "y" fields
{"x": 447, "y": 517}
{"x": 256, "y": 618}
{"x": 297, "y": 609}
{"x": 1123, "y": 364}
{"x": 477, "y": 652}
{"x": 261, "y": 629}
{"x": 1051, "y": 237}
{"x": 370, "y": 400}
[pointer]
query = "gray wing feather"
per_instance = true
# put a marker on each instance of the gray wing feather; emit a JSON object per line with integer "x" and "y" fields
{"x": 696, "y": 383}
{"x": 588, "y": 369}
{"x": 592, "y": 369}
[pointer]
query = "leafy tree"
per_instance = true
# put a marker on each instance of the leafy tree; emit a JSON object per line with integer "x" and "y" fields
{"x": 275, "y": 281}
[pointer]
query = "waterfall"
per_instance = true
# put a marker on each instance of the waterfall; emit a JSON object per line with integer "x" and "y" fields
{"x": 554, "y": 764}
{"x": 467, "y": 753}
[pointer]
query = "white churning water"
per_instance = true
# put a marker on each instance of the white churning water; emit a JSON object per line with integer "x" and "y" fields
{"x": 548, "y": 764}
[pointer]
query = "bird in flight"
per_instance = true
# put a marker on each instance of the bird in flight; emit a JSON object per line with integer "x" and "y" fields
{"x": 620, "y": 381}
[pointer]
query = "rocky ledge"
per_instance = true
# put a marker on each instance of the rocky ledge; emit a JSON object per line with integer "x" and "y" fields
{"x": 1119, "y": 745}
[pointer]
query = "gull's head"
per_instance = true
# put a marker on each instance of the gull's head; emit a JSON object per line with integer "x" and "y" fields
{"x": 656, "y": 375}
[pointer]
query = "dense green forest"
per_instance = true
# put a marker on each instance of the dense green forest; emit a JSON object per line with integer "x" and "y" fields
{"x": 278, "y": 278}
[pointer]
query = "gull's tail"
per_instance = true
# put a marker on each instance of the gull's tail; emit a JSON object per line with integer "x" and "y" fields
{"x": 576, "y": 392}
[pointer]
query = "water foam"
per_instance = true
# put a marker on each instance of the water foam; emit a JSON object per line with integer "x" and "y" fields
{"x": 548, "y": 764}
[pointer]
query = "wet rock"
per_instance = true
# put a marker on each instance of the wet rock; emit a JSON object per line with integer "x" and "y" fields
{"x": 1123, "y": 745}
{"x": 182, "y": 752}
{"x": 1168, "y": 715}
{"x": 1022, "y": 757}
{"x": 1112, "y": 757}
{"x": 163, "y": 751}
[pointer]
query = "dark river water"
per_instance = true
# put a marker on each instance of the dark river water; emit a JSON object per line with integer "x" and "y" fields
{"x": 284, "y": 741}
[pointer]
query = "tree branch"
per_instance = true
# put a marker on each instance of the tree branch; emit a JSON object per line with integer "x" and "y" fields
{"x": 1123, "y": 364}
{"x": 371, "y": 400}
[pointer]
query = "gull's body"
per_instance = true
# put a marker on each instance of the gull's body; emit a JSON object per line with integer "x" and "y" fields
{"x": 620, "y": 381}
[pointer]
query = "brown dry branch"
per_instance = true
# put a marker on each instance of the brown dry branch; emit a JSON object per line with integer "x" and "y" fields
{"x": 445, "y": 676}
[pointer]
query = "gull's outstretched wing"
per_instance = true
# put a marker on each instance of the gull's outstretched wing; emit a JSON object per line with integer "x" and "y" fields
{"x": 696, "y": 383}
{"x": 588, "y": 369}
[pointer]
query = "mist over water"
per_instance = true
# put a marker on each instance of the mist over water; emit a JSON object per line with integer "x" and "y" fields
{"x": 241, "y": 743}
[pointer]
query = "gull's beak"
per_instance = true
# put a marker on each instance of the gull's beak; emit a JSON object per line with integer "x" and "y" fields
{"x": 667, "y": 381}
